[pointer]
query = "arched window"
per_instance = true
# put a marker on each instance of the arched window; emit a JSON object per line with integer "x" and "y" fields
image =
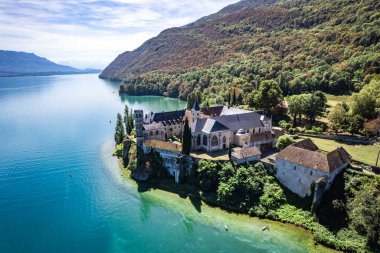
{"x": 204, "y": 140}
{"x": 214, "y": 141}
{"x": 224, "y": 140}
{"x": 199, "y": 140}
{"x": 151, "y": 133}
{"x": 156, "y": 132}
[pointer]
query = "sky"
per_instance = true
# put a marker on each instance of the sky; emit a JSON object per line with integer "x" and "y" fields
{"x": 91, "y": 33}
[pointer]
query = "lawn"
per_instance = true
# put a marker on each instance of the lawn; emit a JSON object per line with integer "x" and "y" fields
{"x": 362, "y": 153}
{"x": 333, "y": 100}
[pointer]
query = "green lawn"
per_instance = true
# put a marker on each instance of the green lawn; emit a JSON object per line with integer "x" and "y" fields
{"x": 363, "y": 153}
{"x": 333, "y": 100}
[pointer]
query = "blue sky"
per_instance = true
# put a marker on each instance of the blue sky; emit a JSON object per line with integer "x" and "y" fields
{"x": 92, "y": 33}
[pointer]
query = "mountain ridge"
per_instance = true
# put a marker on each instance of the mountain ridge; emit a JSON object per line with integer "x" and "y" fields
{"x": 16, "y": 63}
{"x": 330, "y": 45}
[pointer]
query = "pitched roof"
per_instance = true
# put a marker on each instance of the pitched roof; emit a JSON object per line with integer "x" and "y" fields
{"x": 153, "y": 126}
{"x": 196, "y": 106}
{"x": 164, "y": 145}
{"x": 261, "y": 137}
{"x": 306, "y": 144}
{"x": 314, "y": 158}
{"x": 241, "y": 121}
{"x": 212, "y": 125}
{"x": 165, "y": 117}
{"x": 246, "y": 152}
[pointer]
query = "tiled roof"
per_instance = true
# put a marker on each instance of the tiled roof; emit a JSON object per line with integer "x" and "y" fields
{"x": 212, "y": 111}
{"x": 306, "y": 144}
{"x": 314, "y": 158}
{"x": 246, "y": 152}
{"x": 164, "y": 145}
{"x": 261, "y": 137}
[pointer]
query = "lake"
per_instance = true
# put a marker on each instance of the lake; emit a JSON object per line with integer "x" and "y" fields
{"x": 54, "y": 126}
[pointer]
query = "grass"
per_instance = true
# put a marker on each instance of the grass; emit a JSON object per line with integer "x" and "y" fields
{"x": 333, "y": 100}
{"x": 362, "y": 153}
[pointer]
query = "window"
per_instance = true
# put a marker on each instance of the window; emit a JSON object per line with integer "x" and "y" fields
{"x": 300, "y": 180}
{"x": 294, "y": 167}
{"x": 204, "y": 140}
{"x": 311, "y": 173}
{"x": 224, "y": 140}
{"x": 253, "y": 130}
{"x": 214, "y": 141}
{"x": 248, "y": 131}
{"x": 151, "y": 133}
{"x": 156, "y": 132}
{"x": 199, "y": 140}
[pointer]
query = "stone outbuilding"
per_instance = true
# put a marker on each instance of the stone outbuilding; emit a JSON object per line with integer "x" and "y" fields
{"x": 302, "y": 166}
{"x": 246, "y": 155}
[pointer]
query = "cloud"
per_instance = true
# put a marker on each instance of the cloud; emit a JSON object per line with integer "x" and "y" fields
{"x": 91, "y": 33}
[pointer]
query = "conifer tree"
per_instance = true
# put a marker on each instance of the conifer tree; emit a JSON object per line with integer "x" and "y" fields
{"x": 119, "y": 130}
{"x": 186, "y": 139}
{"x": 126, "y": 118}
{"x": 234, "y": 97}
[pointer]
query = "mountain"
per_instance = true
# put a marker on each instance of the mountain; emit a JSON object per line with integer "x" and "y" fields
{"x": 329, "y": 45}
{"x": 20, "y": 64}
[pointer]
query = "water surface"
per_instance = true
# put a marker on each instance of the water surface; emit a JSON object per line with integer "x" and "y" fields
{"x": 54, "y": 126}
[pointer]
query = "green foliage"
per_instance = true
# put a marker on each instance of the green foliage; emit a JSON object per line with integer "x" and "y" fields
{"x": 186, "y": 138}
{"x": 246, "y": 47}
{"x": 208, "y": 175}
{"x": 119, "y": 130}
{"x": 241, "y": 190}
{"x": 284, "y": 141}
{"x": 193, "y": 96}
{"x": 267, "y": 97}
{"x": 285, "y": 125}
{"x": 367, "y": 102}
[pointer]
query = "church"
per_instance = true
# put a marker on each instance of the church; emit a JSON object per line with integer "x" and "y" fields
{"x": 213, "y": 128}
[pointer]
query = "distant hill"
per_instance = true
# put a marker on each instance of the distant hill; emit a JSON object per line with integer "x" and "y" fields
{"x": 305, "y": 45}
{"x": 21, "y": 64}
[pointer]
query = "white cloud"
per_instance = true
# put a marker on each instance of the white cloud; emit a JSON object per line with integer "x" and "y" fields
{"x": 92, "y": 33}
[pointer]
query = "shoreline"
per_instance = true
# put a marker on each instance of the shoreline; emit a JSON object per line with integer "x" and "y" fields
{"x": 238, "y": 224}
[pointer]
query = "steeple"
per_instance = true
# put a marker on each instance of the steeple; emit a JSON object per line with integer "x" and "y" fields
{"x": 195, "y": 111}
{"x": 196, "y": 106}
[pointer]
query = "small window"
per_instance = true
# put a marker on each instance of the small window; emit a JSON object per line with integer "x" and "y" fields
{"x": 294, "y": 167}
{"x": 248, "y": 131}
{"x": 311, "y": 173}
{"x": 299, "y": 180}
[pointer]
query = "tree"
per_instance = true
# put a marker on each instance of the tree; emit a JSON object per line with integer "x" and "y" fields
{"x": 267, "y": 97}
{"x": 367, "y": 102}
{"x": 338, "y": 118}
{"x": 186, "y": 138}
{"x": 130, "y": 122}
{"x": 315, "y": 105}
{"x": 119, "y": 130}
{"x": 284, "y": 141}
{"x": 208, "y": 175}
{"x": 126, "y": 118}
{"x": 192, "y": 97}
{"x": 234, "y": 96}
{"x": 355, "y": 124}
{"x": 296, "y": 106}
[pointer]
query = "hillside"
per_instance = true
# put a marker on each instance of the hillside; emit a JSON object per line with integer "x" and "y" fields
{"x": 19, "y": 64}
{"x": 329, "y": 45}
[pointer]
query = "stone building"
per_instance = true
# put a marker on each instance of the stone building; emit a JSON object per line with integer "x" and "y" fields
{"x": 301, "y": 166}
{"x": 213, "y": 128}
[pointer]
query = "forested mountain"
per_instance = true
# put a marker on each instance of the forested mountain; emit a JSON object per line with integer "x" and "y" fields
{"x": 20, "y": 63}
{"x": 304, "y": 45}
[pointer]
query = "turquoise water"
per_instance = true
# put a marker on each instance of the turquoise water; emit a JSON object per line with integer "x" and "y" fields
{"x": 53, "y": 126}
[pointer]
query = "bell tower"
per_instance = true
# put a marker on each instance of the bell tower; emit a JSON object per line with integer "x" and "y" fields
{"x": 195, "y": 111}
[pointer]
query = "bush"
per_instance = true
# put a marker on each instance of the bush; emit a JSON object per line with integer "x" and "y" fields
{"x": 284, "y": 141}
{"x": 285, "y": 125}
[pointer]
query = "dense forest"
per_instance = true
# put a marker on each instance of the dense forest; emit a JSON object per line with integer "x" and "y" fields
{"x": 304, "y": 46}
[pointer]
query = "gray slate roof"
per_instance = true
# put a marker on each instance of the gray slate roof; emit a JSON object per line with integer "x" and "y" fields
{"x": 212, "y": 126}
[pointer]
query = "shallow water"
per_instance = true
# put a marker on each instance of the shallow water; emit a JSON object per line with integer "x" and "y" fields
{"x": 54, "y": 126}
